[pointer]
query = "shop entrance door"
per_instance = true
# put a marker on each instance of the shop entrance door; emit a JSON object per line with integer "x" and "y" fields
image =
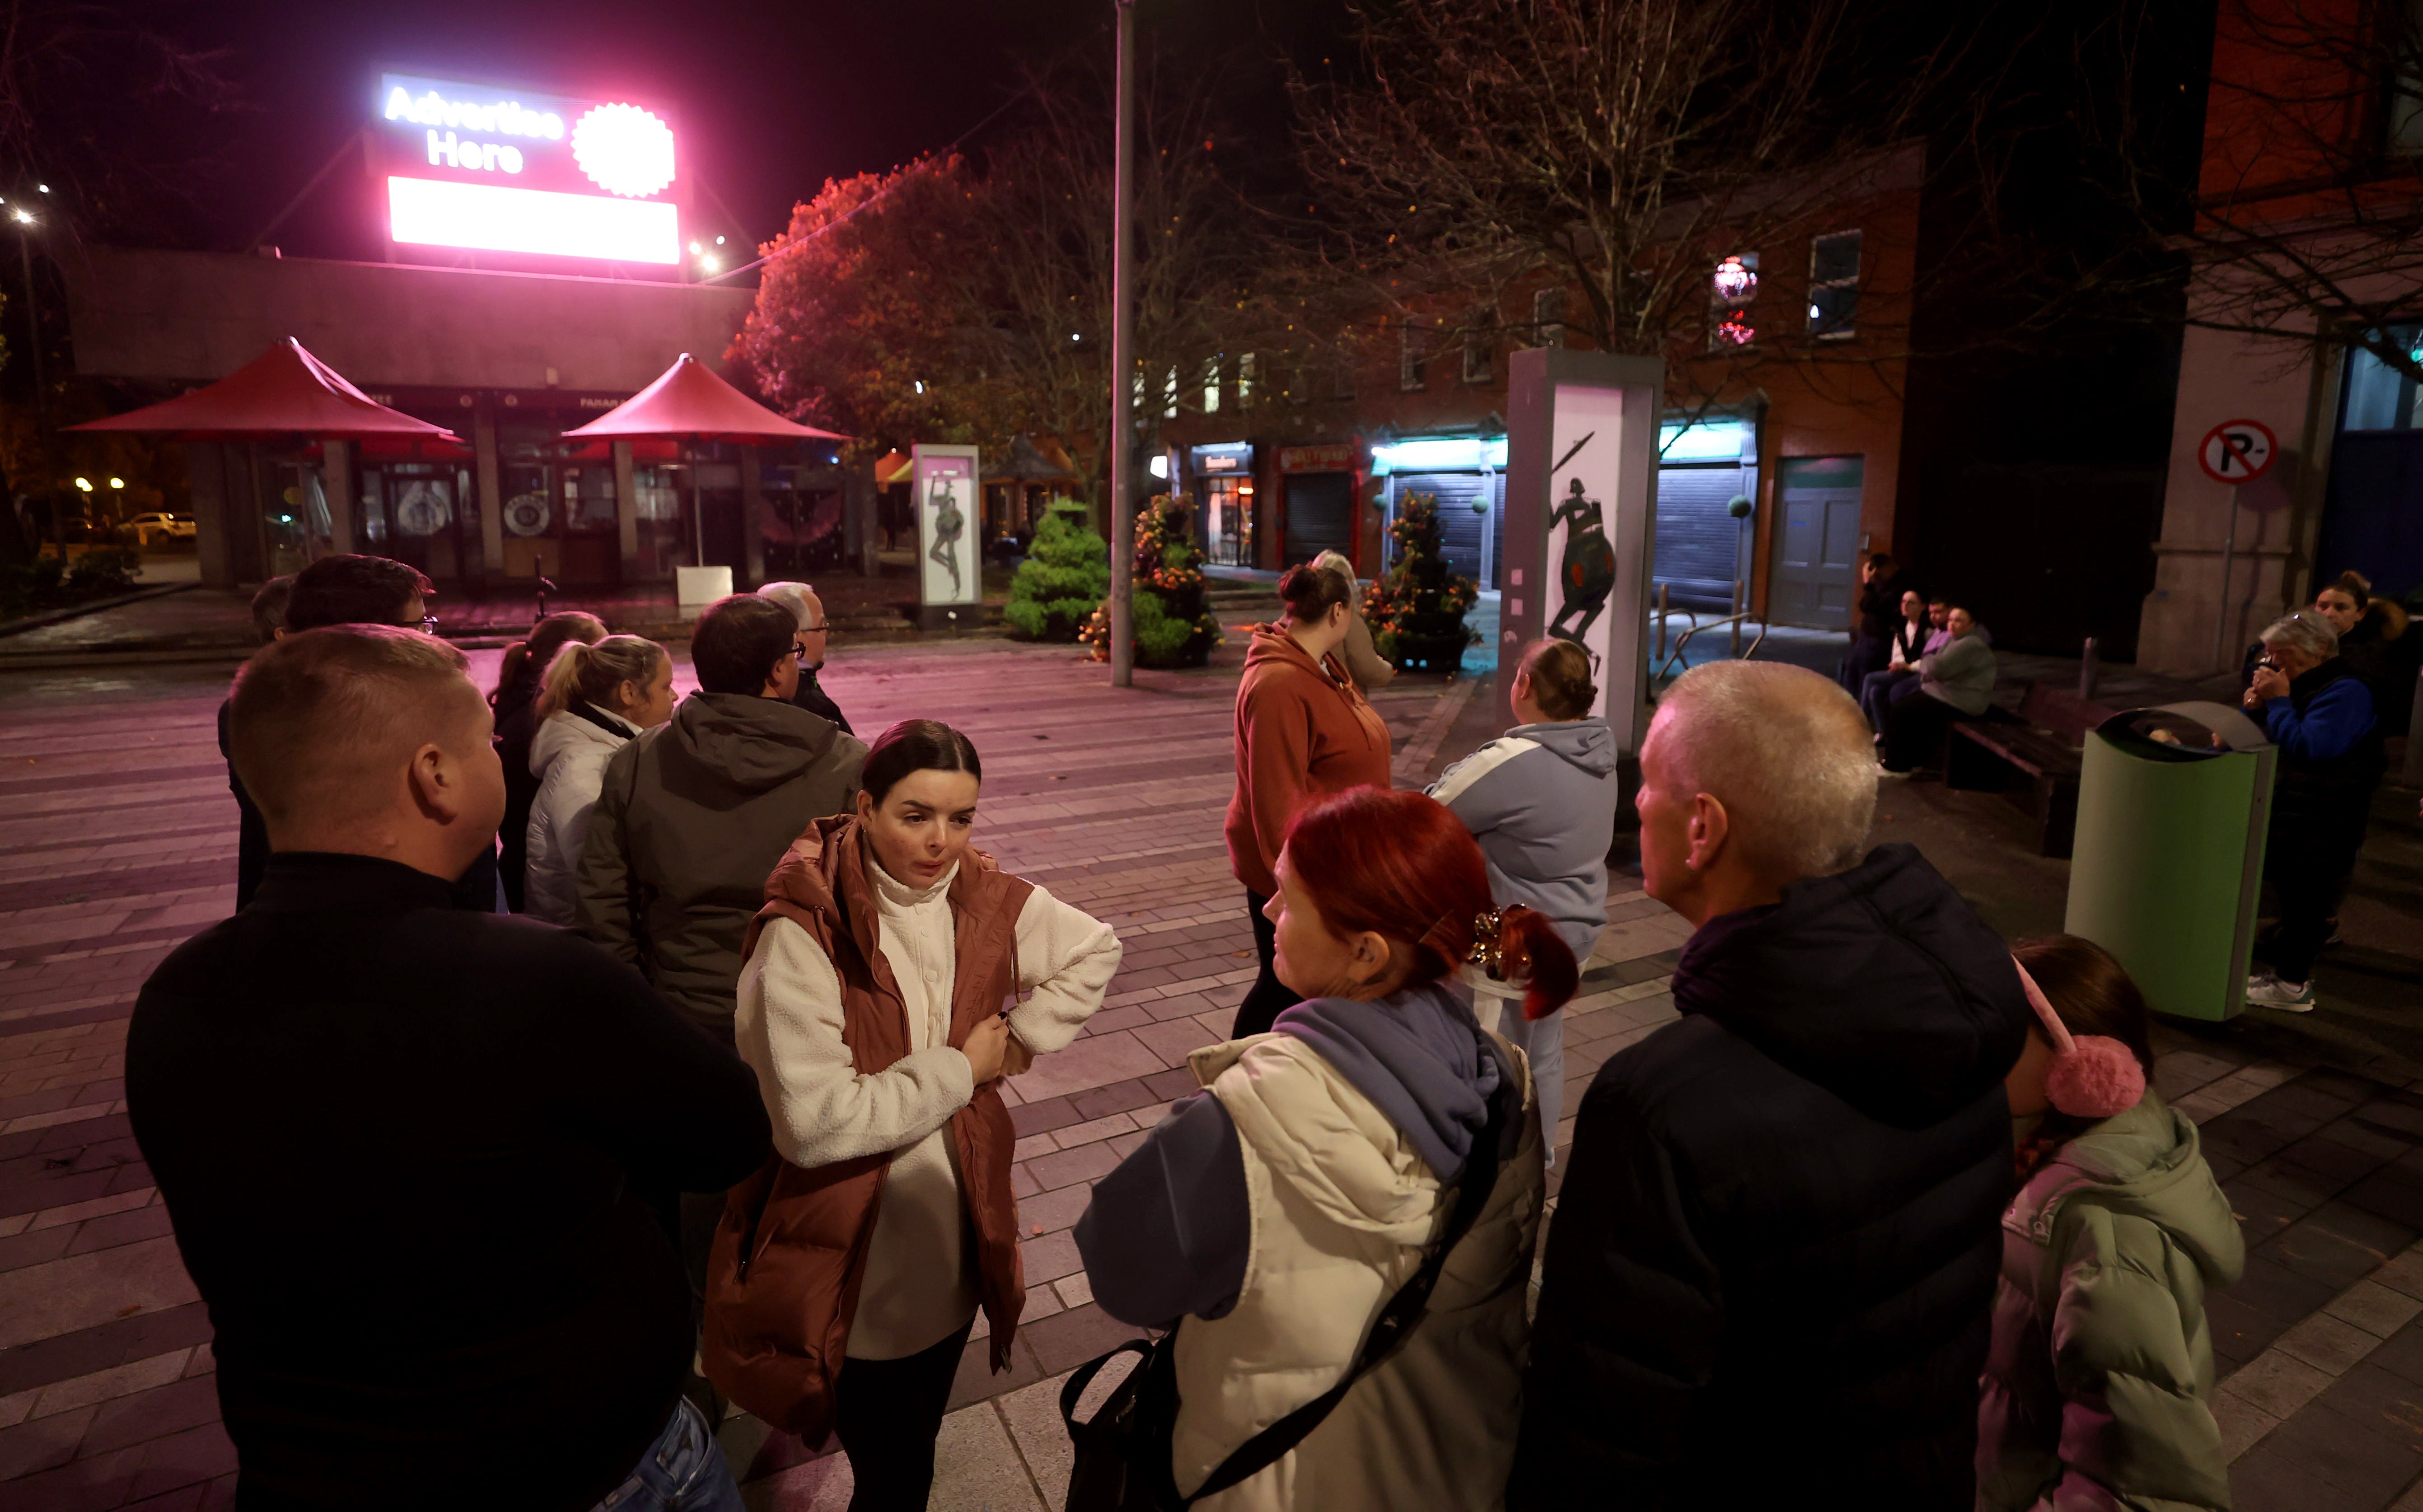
{"x": 1817, "y": 542}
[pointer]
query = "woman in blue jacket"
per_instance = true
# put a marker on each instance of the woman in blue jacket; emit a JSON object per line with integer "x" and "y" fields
{"x": 1541, "y": 800}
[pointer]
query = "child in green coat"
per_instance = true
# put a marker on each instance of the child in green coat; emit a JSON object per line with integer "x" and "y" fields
{"x": 2119, "y": 1231}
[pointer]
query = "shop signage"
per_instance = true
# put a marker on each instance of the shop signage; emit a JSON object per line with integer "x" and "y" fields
{"x": 950, "y": 563}
{"x": 513, "y": 170}
{"x": 1338, "y": 457}
{"x": 2238, "y": 451}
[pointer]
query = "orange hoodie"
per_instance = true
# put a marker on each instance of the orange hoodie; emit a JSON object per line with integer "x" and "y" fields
{"x": 1302, "y": 731}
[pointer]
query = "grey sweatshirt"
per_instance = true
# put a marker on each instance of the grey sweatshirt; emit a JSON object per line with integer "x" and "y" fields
{"x": 1961, "y": 674}
{"x": 1541, "y": 799}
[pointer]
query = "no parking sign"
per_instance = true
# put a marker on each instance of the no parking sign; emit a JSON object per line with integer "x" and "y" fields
{"x": 2238, "y": 451}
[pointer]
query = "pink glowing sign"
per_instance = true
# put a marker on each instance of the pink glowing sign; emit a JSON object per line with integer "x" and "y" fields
{"x": 499, "y": 169}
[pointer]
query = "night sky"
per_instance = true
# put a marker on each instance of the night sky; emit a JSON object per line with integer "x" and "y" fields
{"x": 770, "y": 99}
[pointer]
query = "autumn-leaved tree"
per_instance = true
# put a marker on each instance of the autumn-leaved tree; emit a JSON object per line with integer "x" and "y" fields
{"x": 949, "y": 300}
{"x": 861, "y": 323}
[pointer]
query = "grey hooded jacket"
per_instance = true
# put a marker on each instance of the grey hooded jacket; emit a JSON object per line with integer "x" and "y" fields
{"x": 692, "y": 818}
{"x": 1541, "y": 799}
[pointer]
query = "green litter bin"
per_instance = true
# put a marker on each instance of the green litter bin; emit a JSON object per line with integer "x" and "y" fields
{"x": 2171, "y": 807}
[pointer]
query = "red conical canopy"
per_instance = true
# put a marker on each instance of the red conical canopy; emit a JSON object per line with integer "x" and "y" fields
{"x": 286, "y": 391}
{"x": 687, "y": 402}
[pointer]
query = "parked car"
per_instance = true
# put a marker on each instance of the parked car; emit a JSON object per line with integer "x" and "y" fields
{"x": 144, "y": 526}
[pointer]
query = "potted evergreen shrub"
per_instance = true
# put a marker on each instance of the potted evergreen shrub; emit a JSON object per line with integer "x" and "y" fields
{"x": 1064, "y": 576}
{"x": 1173, "y": 627}
{"x": 1416, "y": 611}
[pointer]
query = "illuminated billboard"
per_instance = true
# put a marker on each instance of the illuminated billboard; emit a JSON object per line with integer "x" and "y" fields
{"x": 495, "y": 169}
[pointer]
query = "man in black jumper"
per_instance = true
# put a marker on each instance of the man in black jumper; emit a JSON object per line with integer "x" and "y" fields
{"x": 399, "y": 1140}
{"x": 1769, "y": 1278}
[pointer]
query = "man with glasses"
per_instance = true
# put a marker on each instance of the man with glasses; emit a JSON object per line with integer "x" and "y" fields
{"x": 811, "y": 642}
{"x": 347, "y": 589}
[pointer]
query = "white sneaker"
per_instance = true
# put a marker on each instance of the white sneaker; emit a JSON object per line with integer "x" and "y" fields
{"x": 2267, "y": 990}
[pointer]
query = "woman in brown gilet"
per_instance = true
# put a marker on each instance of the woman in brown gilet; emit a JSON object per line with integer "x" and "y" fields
{"x": 878, "y": 1008}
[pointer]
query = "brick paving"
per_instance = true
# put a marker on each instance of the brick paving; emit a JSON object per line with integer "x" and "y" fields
{"x": 117, "y": 840}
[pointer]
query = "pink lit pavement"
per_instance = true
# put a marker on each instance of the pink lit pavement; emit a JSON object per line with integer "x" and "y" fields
{"x": 117, "y": 841}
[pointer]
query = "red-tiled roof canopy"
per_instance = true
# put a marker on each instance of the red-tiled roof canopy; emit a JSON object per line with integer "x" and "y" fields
{"x": 286, "y": 391}
{"x": 690, "y": 403}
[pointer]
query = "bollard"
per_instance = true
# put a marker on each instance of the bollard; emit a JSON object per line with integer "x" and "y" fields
{"x": 2090, "y": 667}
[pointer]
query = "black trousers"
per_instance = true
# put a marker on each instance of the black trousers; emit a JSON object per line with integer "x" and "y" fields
{"x": 1867, "y": 653}
{"x": 1269, "y": 997}
{"x": 1914, "y": 729}
{"x": 2310, "y": 873}
{"x": 888, "y": 1412}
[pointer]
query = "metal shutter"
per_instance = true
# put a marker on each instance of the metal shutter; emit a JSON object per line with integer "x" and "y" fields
{"x": 1459, "y": 525}
{"x": 1320, "y": 516}
{"x": 1699, "y": 544}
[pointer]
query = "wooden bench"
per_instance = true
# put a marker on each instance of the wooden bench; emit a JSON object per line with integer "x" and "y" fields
{"x": 2032, "y": 756}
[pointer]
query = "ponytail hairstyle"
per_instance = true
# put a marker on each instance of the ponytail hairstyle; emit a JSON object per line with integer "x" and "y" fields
{"x": 1402, "y": 866}
{"x": 532, "y": 657}
{"x": 916, "y": 746}
{"x": 583, "y": 673}
{"x": 1310, "y": 592}
{"x": 1561, "y": 678}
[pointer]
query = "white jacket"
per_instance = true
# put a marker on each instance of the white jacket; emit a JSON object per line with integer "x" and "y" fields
{"x": 1342, "y": 1210}
{"x": 568, "y": 756}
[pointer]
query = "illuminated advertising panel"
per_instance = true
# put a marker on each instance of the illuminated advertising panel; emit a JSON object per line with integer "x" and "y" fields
{"x": 495, "y": 169}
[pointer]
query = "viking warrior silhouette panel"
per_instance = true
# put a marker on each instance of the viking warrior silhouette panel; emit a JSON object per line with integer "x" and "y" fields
{"x": 1587, "y": 573}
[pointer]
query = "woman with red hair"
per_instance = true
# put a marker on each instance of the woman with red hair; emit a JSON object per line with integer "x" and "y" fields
{"x": 1281, "y": 1212}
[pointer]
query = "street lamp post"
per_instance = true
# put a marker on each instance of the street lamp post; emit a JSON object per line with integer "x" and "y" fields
{"x": 1123, "y": 360}
{"x": 25, "y": 224}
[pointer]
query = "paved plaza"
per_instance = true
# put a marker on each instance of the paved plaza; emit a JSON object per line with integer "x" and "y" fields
{"x": 117, "y": 841}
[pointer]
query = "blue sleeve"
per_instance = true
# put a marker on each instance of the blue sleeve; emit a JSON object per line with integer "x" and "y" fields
{"x": 2331, "y": 724}
{"x": 1168, "y": 1232}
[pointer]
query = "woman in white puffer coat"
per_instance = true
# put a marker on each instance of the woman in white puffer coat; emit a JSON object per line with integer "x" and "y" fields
{"x": 594, "y": 699}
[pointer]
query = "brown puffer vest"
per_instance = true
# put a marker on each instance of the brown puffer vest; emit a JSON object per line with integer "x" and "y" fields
{"x": 791, "y": 1248}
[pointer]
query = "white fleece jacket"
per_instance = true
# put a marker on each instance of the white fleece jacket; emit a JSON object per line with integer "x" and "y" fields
{"x": 568, "y": 756}
{"x": 920, "y": 1282}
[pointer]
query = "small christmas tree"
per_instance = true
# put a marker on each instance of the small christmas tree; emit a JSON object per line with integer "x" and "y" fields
{"x": 1416, "y": 611}
{"x": 1173, "y": 628}
{"x": 1062, "y": 578}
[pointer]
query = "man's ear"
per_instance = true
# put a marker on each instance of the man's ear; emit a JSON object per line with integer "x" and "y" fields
{"x": 1711, "y": 828}
{"x": 435, "y": 778}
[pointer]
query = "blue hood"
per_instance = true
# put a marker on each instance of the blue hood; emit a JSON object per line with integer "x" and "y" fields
{"x": 1421, "y": 1060}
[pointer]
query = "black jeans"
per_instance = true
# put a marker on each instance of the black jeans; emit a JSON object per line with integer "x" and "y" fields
{"x": 1269, "y": 998}
{"x": 887, "y": 1412}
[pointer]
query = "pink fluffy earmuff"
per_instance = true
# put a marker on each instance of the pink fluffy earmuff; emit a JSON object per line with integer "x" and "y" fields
{"x": 2092, "y": 1075}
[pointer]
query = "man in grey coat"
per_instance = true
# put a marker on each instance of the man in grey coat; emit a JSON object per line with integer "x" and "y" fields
{"x": 693, "y": 818}
{"x": 696, "y": 814}
{"x": 1955, "y": 683}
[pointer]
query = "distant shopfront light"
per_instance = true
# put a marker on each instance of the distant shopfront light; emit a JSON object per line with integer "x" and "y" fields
{"x": 1439, "y": 454}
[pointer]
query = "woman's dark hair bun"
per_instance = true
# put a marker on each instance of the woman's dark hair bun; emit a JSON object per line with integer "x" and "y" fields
{"x": 916, "y": 746}
{"x": 1309, "y": 592}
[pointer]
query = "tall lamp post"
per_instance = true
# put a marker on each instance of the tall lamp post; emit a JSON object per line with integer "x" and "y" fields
{"x": 1123, "y": 361}
{"x": 25, "y": 224}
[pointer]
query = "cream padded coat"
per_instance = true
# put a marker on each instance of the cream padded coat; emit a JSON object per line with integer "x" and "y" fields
{"x": 1342, "y": 1209}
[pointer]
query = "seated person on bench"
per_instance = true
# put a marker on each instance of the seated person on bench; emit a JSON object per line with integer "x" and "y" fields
{"x": 1954, "y": 683}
